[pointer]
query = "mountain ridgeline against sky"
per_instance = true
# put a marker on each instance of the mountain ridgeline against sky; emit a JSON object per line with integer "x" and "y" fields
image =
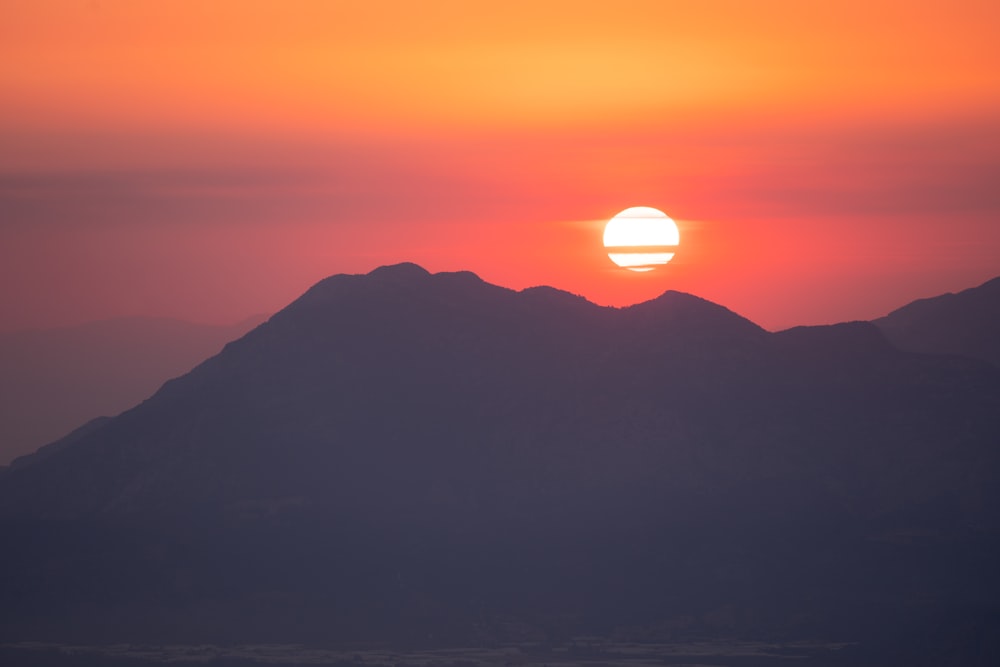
{"x": 399, "y": 454}
{"x": 966, "y": 324}
{"x": 54, "y": 380}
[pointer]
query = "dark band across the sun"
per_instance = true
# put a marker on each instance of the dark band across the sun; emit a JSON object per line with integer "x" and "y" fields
{"x": 641, "y": 248}
{"x": 641, "y": 238}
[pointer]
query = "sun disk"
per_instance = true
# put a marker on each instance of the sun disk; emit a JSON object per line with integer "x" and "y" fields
{"x": 641, "y": 238}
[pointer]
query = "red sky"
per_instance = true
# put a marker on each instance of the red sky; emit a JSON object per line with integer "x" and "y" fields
{"x": 209, "y": 160}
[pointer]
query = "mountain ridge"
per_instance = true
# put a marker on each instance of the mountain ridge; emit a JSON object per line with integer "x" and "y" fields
{"x": 434, "y": 307}
{"x": 966, "y": 323}
{"x": 54, "y": 380}
{"x": 403, "y": 453}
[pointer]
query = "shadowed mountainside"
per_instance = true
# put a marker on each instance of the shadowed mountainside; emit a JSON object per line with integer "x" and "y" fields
{"x": 966, "y": 324}
{"x": 54, "y": 380}
{"x": 401, "y": 455}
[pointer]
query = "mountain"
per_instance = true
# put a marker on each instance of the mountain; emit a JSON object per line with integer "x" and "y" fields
{"x": 966, "y": 323}
{"x": 427, "y": 458}
{"x": 54, "y": 380}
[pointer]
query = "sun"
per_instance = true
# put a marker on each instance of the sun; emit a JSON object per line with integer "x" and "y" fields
{"x": 641, "y": 238}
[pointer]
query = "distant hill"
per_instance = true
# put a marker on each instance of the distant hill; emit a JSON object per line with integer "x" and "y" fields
{"x": 966, "y": 323}
{"x": 54, "y": 380}
{"x": 407, "y": 457}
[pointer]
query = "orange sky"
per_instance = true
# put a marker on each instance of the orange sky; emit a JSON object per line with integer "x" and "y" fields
{"x": 208, "y": 160}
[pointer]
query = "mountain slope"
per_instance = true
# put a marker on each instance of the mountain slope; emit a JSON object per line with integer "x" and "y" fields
{"x": 360, "y": 364}
{"x": 966, "y": 324}
{"x": 401, "y": 453}
{"x": 52, "y": 381}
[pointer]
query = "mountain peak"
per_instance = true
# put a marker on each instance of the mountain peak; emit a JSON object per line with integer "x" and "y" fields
{"x": 694, "y": 315}
{"x": 401, "y": 271}
{"x": 553, "y": 295}
{"x": 672, "y": 300}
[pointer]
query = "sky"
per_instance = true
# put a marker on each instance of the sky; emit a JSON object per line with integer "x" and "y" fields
{"x": 209, "y": 160}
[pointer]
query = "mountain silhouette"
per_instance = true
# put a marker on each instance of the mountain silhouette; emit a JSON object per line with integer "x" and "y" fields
{"x": 966, "y": 323}
{"x": 402, "y": 454}
{"x": 54, "y": 380}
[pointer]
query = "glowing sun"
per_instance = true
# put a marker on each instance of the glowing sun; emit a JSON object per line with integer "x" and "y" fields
{"x": 641, "y": 238}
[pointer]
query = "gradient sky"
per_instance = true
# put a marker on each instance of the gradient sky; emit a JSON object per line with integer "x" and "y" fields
{"x": 208, "y": 160}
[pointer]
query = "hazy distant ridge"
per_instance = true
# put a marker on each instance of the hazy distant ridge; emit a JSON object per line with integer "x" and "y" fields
{"x": 966, "y": 324}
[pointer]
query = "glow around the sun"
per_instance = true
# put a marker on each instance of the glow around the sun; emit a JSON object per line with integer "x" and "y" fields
{"x": 641, "y": 238}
